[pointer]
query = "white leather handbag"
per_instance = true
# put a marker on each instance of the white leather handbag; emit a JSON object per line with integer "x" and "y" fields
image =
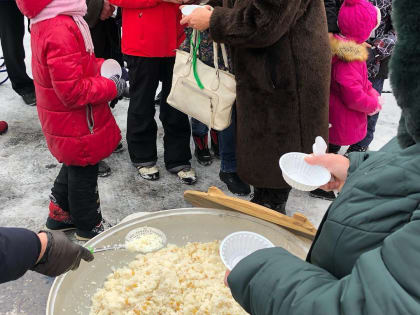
{"x": 202, "y": 92}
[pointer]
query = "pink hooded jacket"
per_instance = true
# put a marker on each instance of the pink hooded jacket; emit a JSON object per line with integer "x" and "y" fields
{"x": 352, "y": 97}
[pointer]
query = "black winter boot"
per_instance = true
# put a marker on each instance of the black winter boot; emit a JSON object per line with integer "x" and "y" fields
{"x": 322, "y": 194}
{"x": 274, "y": 199}
{"x": 355, "y": 148}
{"x": 202, "y": 150}
{"x": 29, "y": 98}
{"x": 235, "y": 184}
{"x": 83, "y": 235}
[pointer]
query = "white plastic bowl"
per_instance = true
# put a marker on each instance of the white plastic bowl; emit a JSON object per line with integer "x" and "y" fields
{"x": 300, "y": 175}
{"x": 188, "y": 9}
{"x": 110, "y": 67}
{"x": 238, "y": 245}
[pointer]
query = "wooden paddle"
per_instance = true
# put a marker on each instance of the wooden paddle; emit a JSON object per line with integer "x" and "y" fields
{"x": 215, "y": 198}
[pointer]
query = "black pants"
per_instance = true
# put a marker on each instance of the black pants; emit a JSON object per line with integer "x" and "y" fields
{"x": 333, "y": 148}
{"x": 106, "y": 37}
{"x": 12, "y": 30}
{"x": 76, "y": 191}
{"x": 145, "y": 74}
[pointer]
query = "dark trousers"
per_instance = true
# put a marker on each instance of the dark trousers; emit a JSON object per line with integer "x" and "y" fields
{"x": 378, "y": 85}
{"x": 12, "y": 30}
{"x": 75, "y": 190}
{"x": 106, "y": 37}
{"x": 333, "y": 148}
{"x": 145, "y": 74}
{"x": 227, "y": 142}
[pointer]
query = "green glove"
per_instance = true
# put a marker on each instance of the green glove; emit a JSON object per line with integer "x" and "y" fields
{"x": 61, "y": 255}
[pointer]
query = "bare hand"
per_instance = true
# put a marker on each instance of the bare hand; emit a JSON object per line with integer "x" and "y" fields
{"x": 367, "y": 45}
{"x": 199, "y": 19}
{"x": 107, "y": 11}
{"x": 226, "y": 276}
{"x": 338, "y": 166}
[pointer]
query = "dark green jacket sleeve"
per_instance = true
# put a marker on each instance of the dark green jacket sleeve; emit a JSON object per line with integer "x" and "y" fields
{"x": 356, "y": 158}
{"x": 256, "y": 24}
{"x": 94, "y": 9}
{"x": 273, "y": 281}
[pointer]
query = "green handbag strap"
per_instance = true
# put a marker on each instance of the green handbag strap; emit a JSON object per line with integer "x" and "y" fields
{"x": 195, "y": 47}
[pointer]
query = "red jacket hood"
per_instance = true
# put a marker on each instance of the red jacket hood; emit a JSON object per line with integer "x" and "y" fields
{"x": 32, "y": 8}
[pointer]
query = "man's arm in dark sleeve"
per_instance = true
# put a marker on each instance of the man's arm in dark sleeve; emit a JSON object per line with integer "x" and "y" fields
{"x": 19, "y": 251}
{"x": 332, "y": 8}
{"x": 94, "y": 9}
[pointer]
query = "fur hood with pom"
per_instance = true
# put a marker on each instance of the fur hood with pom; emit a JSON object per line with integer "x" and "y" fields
{"x": 347, "y": 50}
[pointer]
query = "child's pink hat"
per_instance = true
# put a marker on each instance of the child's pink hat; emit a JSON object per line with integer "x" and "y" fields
{"x": 357, "y": 19}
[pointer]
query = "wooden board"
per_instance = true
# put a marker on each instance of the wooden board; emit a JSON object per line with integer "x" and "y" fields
{"x": 216, "y": 199}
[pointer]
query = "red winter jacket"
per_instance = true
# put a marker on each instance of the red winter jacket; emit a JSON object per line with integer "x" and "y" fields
{"x": 151, "y": 28}
{"x": 352, "y": 97}
{"x": 71, "y": 95}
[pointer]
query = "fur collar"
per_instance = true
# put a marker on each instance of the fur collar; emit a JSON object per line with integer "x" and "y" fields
{"x": 348, "y": 50}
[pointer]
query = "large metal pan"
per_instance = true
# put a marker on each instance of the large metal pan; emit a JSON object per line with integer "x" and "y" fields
{"x": 72, "y": 292}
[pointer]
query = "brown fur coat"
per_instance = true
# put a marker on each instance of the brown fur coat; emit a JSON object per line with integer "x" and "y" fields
{"x": 281, "y": 59}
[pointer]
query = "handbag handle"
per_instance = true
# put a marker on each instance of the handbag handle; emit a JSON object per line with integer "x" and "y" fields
{"x": 193, "y": 43}
{"x": 216, "y": 55}
{"x": 194, "y": 46}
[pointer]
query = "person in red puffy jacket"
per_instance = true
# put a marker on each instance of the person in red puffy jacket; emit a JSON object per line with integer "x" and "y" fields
{"x": 151, "y": 33}
{"x": 352, "y": 96}
{"x": 72, "y": 103}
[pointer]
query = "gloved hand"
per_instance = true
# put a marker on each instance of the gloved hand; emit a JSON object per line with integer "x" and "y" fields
{"x": 61, "y": 255}
{"x": 120, "y": 84}
{"x": 115, "y": 102}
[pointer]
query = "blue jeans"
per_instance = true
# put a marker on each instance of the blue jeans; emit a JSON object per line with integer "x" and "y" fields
{"x": 378, "y": 85}
{"x": 227, "y": 142}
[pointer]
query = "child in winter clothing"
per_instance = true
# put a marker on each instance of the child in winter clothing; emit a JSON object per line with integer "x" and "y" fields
{"x": 352, "y": 96}
{"x": 72, "y": 103}
{"x": 151, "y": 33}
{"x": 382, "y": 42}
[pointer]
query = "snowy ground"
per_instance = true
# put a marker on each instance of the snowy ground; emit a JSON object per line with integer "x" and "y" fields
{"x": 27, "y": 171}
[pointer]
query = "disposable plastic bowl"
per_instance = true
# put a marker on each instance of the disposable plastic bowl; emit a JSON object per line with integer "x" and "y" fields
{"x": 111, "y": 67}
{"x": 239, "y": 245}
{"x": 188, "y": 9}
{"x": 300, "y": 175}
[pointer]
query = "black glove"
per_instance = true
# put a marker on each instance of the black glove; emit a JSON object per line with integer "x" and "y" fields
{"x": 61, "y": 255}
{"x": 115, "y": 101}
{"x": 120, "y": 84}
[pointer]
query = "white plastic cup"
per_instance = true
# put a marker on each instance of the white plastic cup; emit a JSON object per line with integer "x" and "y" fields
{"x": 188, "y": 9}
{"x": 110, "y": 67}
{"x": 238, "y": 245}
{"x": 301, "y": 175}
